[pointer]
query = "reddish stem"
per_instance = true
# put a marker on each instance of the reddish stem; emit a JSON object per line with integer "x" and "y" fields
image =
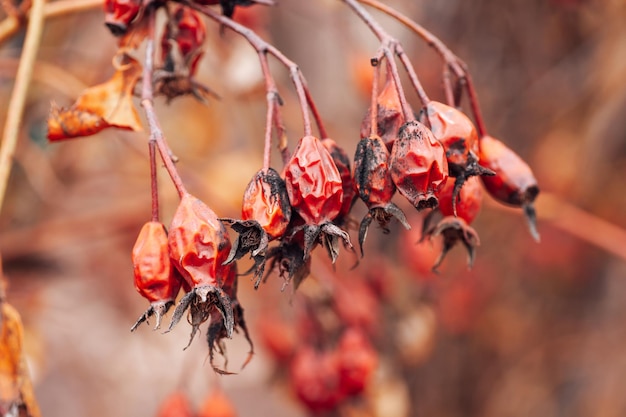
{"x": 147, "y": 97}
{"x": 447, "y": 86}
{"x": 153, "y": 181}
{"x": 452, "y": 61}
{"x": 262, "y": 46}
{"x": 374, "y": 103}
{"x": 391, "y": 46}
{"x": 316, "y": 114}
{"x": 273, "y": 101}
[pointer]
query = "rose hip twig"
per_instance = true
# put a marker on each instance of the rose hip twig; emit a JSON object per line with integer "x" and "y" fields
{"x": 262, "y": 47}
{"x": 374, "y": 103}
{"x": 153, "y": 181}
{"x": 390, "y": 47}
{"x": 147, "y": 97}
{"x": 453, "y": 62}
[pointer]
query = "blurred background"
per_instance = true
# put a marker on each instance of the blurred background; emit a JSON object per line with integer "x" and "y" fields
{"x": 534, "y": 329}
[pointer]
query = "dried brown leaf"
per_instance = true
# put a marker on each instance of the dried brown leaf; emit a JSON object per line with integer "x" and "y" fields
{"x": 104, "y": 105}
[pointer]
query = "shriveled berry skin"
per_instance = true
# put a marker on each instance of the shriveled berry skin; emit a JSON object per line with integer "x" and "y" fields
{"x": 266, "y": 201}
{"x": 469, "y": 199}
{"x": 455, "y": 131}
{"x": 418, "y": 165}
{"x": 514, "y": 182}
{"x": 155, "y": 279}
{"x": 118, "y": 14}
{"x": 199, "y": 243}
{"x": 371, "y": 172}
{"x": 342, "y": 162}
{"x": 188, "y": 31}
{"x": 313, "y": 182}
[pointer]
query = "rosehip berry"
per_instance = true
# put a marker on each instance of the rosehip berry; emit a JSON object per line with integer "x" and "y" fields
{"x": 466, "y": 204}
{"x": 314, "y": 377}
{"x": 357, "y": 361}
{"x": 375, "y": 186}
{"x": 458, "y": 136}
{"x": 389, "y": 116}
{"x": 199, "y": 246}
{"x": 265, "y": 216}
{"x": 418, "y": 165}
{"x": 217, "y": 404}
{"x": 456, "y": 133}
{"x": 188, "y": 31}
{"x": 459, "y": 211}
{"x": 513, "y": 183}
{"x": 176, "y": 405}
{"x": 342, "y": 162}
{"x": 118, "y": 14}
{"x": 316, "y": 193}
{"x": 156, "y": 279}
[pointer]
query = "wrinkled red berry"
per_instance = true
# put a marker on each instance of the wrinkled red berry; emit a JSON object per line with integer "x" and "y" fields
{"x": 418, "y": 165}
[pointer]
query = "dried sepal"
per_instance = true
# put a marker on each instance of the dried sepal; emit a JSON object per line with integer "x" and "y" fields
{"x": 266, "y": 213}
{"x": 288, "y": 258}
{"x": 453, "y": 230}
{"x": 105, "y": 105}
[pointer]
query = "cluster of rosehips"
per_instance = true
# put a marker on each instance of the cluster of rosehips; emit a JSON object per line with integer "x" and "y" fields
{"x": 433, "y": 159}
{"x": 192, "y": 256}
{"x": 326, "y": 351}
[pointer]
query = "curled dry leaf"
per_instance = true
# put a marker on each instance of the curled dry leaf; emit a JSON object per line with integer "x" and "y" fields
{"x": 105, "y": 105}
{"x": 16, "y": 390}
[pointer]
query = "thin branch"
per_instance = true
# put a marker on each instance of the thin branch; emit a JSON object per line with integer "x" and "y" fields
{"x": 18, "y": 96}
{"x": 390, "y": 47}
{"x": 577, "y": 222}
{"x": 260, "y": 45}
{"x": 154, "y": 185}
{"x": 374, "y": 102}
{"x": 147, "y": 97}
{"x": 273, "y": 107}
{"x": 11, "y": 24}
{"x": 458, "y": 67}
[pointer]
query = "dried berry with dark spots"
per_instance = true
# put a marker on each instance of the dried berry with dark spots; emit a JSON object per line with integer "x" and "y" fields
{"x": 375, "y": 186}
{"x": 389, "y": 114}
{"x": 266, "y": 213}
{"x": 418, "y": 165}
